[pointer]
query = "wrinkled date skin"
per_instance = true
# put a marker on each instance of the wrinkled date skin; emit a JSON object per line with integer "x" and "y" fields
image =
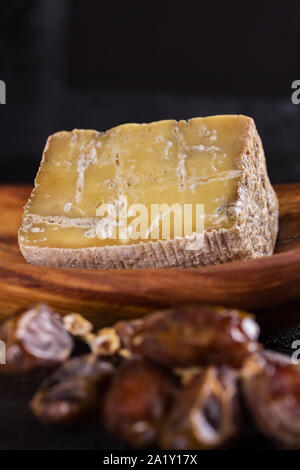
{"x": 192, "y": 335}
{"x": 271, "y": 386}
{"x": 137, "y": 401}
{"x": 71, "y": 394}
{"x": 35, "y": 339}
{"x": 206, "y": 414}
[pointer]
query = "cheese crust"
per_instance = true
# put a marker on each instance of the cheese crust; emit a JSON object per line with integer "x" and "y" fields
{"x": 255, "y": 215}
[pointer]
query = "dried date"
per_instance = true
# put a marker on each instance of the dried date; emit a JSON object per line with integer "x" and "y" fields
{"x": 206, "y": 413}
{"x": 35, "y": 339}
{"x": 192, "y": 335}
{"x": 72, "y": 393}
{"x": 271, "y": 387}
{"x": 137, "y": 401}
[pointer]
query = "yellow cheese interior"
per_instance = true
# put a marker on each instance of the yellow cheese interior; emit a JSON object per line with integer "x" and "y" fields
{"x": 165, "y": 162}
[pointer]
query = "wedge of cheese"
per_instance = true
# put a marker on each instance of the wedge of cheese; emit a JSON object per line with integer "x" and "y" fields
{"x": 165, "y": 194}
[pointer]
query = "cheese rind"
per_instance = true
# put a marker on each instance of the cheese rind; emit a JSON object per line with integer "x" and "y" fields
{"x": 216, "y": 161}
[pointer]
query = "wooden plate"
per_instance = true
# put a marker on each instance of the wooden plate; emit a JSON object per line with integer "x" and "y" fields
{"x": 268, "y": 286}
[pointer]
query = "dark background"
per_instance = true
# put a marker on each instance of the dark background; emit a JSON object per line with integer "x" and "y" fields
{"x": 97, "y": 64}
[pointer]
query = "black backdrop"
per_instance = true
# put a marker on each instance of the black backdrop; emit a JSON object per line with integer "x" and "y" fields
{"x": 96, "y": 64}
{"x": 206, "y": 47}
{"x": 215, "y": 47}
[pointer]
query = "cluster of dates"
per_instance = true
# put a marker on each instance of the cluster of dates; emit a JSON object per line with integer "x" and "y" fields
{"x": 188, "y": 377}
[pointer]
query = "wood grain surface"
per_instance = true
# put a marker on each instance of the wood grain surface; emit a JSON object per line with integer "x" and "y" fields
{"x": 269, "y": 286}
